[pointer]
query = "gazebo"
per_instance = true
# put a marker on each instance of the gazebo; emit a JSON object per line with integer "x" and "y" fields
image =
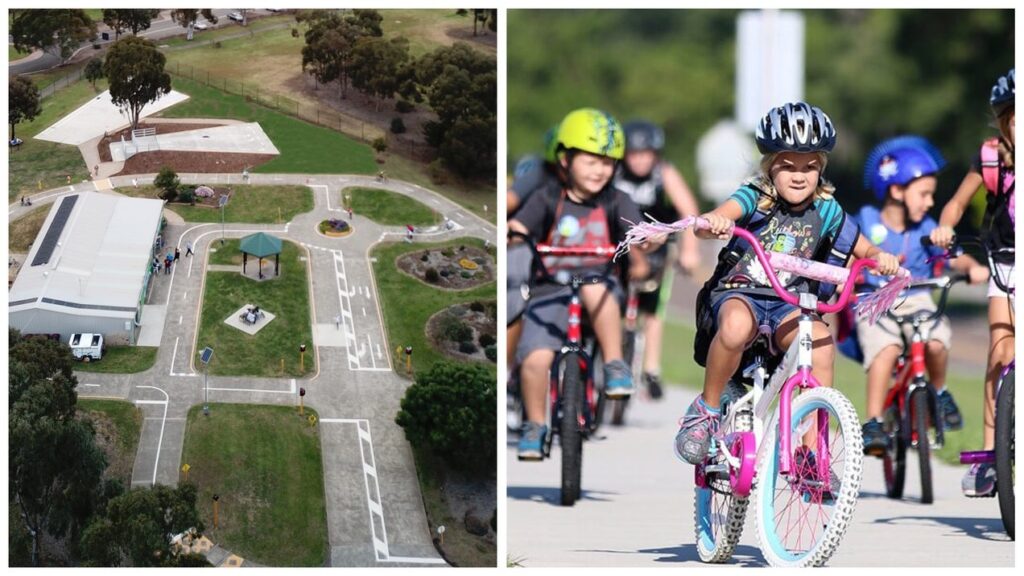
{"x": 261, "y": 245}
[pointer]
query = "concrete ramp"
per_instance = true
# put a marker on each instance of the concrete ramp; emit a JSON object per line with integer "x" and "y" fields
{"x": 99, "y": 116}
{"x": 231, "y": 139}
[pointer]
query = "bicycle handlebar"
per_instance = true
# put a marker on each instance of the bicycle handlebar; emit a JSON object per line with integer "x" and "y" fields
{"x": 804, "y": 267}
{"x": 955, "y": 250}
{"x": 539, "y": 250}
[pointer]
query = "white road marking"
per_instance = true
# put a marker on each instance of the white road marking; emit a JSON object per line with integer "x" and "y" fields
{"x": 92, "y": 385}
{"x": 364, "y": 311}
{"x": 174, "y": 354}
{"x": 179, "y": 319}
{"x": 163, "y": 422}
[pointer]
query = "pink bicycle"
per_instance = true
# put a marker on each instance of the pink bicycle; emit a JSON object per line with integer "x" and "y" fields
{"x": 800, "y": 456}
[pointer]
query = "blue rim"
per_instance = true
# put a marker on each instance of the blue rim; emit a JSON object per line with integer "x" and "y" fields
{"x": 705, "y": 533}
{"x": 768, "y": 497}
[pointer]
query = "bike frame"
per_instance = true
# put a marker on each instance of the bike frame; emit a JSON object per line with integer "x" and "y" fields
{"x": 795, "y": 372}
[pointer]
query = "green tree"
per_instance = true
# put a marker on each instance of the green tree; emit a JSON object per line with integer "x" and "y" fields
{"x": 135, "y": 73}
{"x": 137, "y": 527}
{"x": 450, "y": 410}
{"x": 94, "y": 70}
{"x": 186, "y": 18}
{"x": 121, "y": 19}
{"x": 54, "y": 465}
{"x": 167, "y": 180}
{"x": 380, "y": 144}
{"x": 379, "y": 67}
{"x": 366, "y": 21}
{"x": 22, "y": 101}
{"x": 57, "y": 32}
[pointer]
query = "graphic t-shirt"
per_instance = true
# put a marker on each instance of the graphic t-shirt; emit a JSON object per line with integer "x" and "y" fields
{"x": 558, "y": 220}
{"x": 906, "y": 245}
{"x": 797, "y": 233}
{"x": 648, "y": 193}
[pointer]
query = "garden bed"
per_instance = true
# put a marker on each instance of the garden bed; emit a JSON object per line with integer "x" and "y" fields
{"x": 455, "y": 267}
{"x": 466, "y": 331}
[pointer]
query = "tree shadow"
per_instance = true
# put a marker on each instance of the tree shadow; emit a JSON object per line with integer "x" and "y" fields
{"x": 990, "y": 529}
{"x": 553, "y": 495}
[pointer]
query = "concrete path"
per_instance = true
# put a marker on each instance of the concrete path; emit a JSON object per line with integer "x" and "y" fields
{"x": 637, "y": 509}
{"x": 374, "y": 507}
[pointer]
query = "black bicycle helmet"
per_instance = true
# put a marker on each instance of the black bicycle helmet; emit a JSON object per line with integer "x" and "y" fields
{"x": 1003, "y": 93}
{"x": 644, "y": 135}
{"x": 795, "y": 127}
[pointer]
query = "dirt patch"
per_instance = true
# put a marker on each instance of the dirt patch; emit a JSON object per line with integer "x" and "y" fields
{"x": 193, "y": 162}
{"x": 452, "y": 267}
{"x": 161, "y": 128}
{"x": 466, "y": 331}
{"x": 465, "y": 495}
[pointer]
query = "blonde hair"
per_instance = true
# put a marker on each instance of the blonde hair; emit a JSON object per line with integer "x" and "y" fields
{"x": 1005, "y": 146}
{"x": 770, "y": 196}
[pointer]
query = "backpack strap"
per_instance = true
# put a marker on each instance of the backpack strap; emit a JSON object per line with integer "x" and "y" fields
{"x": 837, "y": 250}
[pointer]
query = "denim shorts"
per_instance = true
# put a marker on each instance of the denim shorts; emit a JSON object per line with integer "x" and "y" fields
{"x": 768, "y": 310}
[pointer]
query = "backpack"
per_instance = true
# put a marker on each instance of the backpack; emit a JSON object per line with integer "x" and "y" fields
{"x": 991, "y": 169}
{"x": 835, "y": 251}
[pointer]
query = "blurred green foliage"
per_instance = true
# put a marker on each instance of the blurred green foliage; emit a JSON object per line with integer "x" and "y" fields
{"x": 877, "y": 73}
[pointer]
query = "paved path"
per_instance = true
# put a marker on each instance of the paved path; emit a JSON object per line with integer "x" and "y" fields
{"x": 374, "y": 507}
{"x": 637, "y": 509}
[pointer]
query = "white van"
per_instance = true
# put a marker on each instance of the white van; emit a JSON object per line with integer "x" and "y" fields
{"x": 87, "y": 347}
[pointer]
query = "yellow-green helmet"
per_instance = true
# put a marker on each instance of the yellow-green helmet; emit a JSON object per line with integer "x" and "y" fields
{"x": 593, "y": 131}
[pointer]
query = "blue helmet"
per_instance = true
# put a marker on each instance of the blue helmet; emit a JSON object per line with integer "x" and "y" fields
{"x": 1003, "y": 93}
{"x": 900, "y": 161}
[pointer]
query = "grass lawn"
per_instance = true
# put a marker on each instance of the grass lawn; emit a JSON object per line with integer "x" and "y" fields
{"x": 239, "y": 354}
{"x": 264, "y": 463}
{"x": 249, "y": 204}
{"x": 13, "y": 53}
{"x": 390, "y": 208}
{"x": 850, "y": 380}
{"x": 121, "y": 360}
{"x": 460, "y": 546}
{"x": 118, "y": 425}
{"x": 406, "y": 315}
{"x": 472, "y": 195}
{"x": 23, "y": 231}
{"x": 49, "y": 162}
{"x": 428, "y": 29}
{"x": 305, "y": 148}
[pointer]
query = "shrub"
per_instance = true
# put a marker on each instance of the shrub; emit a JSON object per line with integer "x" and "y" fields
{"x": 432, "y": 276}
{"x": 295, "y": 32}
{"x": 447, "y": 252}
{"x": 404, "y": 107}
{"x": 491, "y": 352}
{"x": 467, "y": 347}
{"x": 437, "y": 173}
{"x": 167, "y": 181}
{"x": 466, "y": 274}
{"x": 477, "y": 306}
{"x": 486, "y": 340}
{"x": 380, "y": 144}
{"x": 187, "y": 196}
{"x": 397, "y": 126}
{"x": 455, "y": 330}
{"x": 217, "y": 44}
{"x": 424, "y": 257}
{"x": 445, "y": 273}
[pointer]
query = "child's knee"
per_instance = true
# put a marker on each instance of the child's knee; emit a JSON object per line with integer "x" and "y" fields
{"x": 537, "y": 362}
{"x": 936, "y": 348}
{"x": 735, "y": 324}
{"x": 1002, "y": 352}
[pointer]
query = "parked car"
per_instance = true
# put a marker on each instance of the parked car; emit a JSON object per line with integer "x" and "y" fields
{"x": 86, "y": 347}
{"x": 236, "y": 16}
{"x": 200, "y": 25}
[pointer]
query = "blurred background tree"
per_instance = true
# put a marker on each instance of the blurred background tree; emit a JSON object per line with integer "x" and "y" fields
{"x": 877, "y": 73}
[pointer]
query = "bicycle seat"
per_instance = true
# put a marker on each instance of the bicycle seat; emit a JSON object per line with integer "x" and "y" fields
{"x": 762, "y": 350}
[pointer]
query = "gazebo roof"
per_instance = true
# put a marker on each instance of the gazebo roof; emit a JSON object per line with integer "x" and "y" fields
{"x": 261, "y": 245}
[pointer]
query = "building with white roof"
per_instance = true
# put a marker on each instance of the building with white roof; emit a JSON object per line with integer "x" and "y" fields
{"x": 88, "y": 269}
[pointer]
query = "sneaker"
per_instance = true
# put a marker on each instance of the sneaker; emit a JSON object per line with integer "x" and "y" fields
{"x": 618, "y": 380}
{"x": 876, "y": 441}
{"x": 806, "y": 467}
{"x": 653, "y": 383}
{"x": 980, "y": 481}
{"x": 531, "y": 441}
{"x": 695, "y": 430}
{"x": 950, "y": 413}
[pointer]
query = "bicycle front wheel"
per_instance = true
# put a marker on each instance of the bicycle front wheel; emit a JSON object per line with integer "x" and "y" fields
{"x": 571, "y": 429}
{"x": 919, "y": 417}
{"x": 803, "y": 515}
{"x": 1005, "y": 450}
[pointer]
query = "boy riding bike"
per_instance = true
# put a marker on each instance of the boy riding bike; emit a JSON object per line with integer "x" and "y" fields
{"x": 993, "y": 169}
{"x": 587, "y": 212}
{"x": 658, "y": 189}
{"x": 799, "y": 217}
{"x": 901, "y": 172}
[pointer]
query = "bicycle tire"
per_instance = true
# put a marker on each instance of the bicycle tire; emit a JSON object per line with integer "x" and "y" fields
{"x": 600, "y": 400}
{"x": 894, "y": 461}
{"x": 716, "y": 542}
{"x": 571, "y": 434}
{"x": 846, "y": 440}
{"x": 919, "y": 417}
{"x": 1005, "y": 451}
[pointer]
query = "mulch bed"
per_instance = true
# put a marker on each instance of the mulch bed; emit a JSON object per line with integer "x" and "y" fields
{"x": 193, "y": 162}
{"x": 483, "y": 323}
{"x": 445, "y": 261}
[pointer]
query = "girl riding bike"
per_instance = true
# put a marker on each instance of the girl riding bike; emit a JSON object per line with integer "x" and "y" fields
{"x": 802, "y": 213}
{"x": 993, "y": 169}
